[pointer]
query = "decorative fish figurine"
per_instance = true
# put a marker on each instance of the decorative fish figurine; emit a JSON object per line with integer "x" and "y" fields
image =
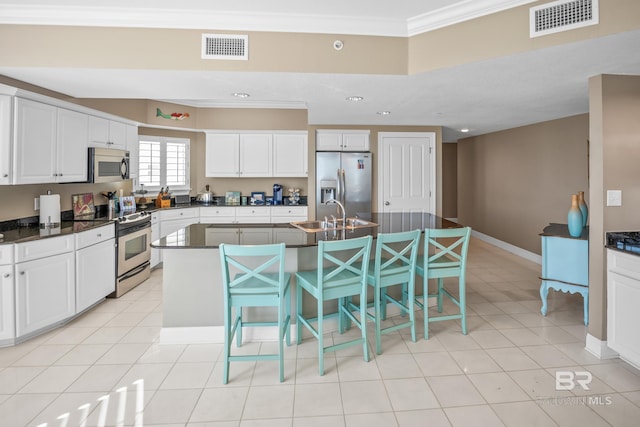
{"x": 172, "y": 116}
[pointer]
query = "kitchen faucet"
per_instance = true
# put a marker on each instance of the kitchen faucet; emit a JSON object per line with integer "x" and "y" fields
{"x": 344, "y": 214}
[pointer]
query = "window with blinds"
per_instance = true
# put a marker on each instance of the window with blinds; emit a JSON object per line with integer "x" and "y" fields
{"x": 163, "y": 162}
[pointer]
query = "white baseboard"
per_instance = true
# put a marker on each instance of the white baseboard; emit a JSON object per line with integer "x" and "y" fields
{"x": 508, "y": 247}
{"x": 599, "y": 348}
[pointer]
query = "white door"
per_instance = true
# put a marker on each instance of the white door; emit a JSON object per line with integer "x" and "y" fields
{"x": 406, "y": 172}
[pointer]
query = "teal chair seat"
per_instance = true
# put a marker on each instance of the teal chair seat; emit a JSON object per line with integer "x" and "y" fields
{"x": 445, "y": 255}
{"x": 340, "y": 274}
{"x": 254, "y": 276}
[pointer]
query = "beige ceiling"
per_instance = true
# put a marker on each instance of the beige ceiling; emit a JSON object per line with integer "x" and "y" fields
{"x": 455, "y": 63}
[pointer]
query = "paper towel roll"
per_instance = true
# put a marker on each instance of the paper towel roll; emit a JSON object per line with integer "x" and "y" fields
{"x": 49, "y": 210}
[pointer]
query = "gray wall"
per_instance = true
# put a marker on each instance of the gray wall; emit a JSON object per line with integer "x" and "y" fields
{"x": 512, "y": 183}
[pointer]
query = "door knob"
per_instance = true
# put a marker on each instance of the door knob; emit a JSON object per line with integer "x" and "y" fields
{"x": 387, "y": 203}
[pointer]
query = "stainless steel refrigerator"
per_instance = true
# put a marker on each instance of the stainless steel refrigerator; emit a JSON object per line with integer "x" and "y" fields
{"x": 344, "y": 176}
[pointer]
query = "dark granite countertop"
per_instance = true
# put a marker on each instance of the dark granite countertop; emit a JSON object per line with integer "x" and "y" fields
{"x": 200, "y": 236}
{"x": 623, "y": 241}
{"x": 30, "y": 232}
{"x": 562, "y": 230}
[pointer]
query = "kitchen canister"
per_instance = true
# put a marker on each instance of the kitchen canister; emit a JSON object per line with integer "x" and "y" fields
{"x": 574, "y": 217}
{"x": 49, "y": 210}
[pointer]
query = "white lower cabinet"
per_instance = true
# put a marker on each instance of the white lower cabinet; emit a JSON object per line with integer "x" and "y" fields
{"x": 217, "y": 214}
{"x": 175, "y": 219}
{"x": 7, "y": 303}
{"x": 45, "y": 292}
{"x": 253, "y": 215}
{"x": 287, "y": 214}
{"x": 623, "y": 299}
{"x": 256, "y": 236}
{"x": 289, "y": 236}
{"x": 235, "y": 236}
{"x": 156, "y": 254}
{"x": 95, "y": 266}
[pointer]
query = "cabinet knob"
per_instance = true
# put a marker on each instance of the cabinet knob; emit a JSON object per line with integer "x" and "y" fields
{"x": 22, "y": 273}
{"x": 387, "y": 203}
{"x": 55, "y": 174}
{"x": 99, "y": 234}
{"x": 60, "y": 174}
{"x": 6, "y": 275}
{"x": 6, "y": 175}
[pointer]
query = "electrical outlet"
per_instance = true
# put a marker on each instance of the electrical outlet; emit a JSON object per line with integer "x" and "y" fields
{"x": 36, "y": 203}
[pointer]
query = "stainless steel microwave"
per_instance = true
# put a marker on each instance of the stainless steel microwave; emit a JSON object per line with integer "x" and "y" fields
{"x": 107, "y": 165}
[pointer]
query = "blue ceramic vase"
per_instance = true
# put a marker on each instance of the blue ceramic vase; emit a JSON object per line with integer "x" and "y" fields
{"x": 583, "y": 208}
{"x": 574, "y": 218}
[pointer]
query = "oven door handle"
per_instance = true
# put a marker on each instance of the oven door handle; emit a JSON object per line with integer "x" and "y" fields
{"x": 135, "y": 271}
{"x": 133, "y": 229}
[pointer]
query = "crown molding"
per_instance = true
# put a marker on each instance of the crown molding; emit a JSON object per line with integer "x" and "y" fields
{"x": 460, "y": 12}
{"x": 244, "y": 103}
{"x": 133, "y": 17}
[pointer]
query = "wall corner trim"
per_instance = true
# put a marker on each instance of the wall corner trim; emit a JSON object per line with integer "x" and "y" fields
{"x": 599, "y": 348}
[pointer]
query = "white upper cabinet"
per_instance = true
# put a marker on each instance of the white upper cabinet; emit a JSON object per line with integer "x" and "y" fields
{"x": 290, "y": 154}
{"x": 342, "y": 140}
{"x": 72, "y": 134}
{"x": 239, "y": 155}
{"x": 256, "y": 154}
{"x": 5, "y": 140}
{"x": 133, "y": 147}
{"x": 34, "y": 145}
{"x": 107, "y": 133}
{"x": 222, "y": 155}
{"x": 50, "y": 144}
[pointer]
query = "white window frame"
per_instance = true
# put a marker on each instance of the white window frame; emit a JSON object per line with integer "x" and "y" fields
{"x": 163, "y": 140}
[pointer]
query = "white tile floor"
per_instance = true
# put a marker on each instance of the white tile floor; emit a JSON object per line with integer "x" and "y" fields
{"x": 501, "y": 373}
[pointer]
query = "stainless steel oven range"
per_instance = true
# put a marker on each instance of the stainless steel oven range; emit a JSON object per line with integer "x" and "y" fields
{"x": 133, "y": 263}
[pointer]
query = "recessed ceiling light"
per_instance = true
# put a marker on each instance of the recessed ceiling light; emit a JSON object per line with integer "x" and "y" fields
{"x": 241, "y": 95}
{"x": 465, "y": 130}
{"x": 383, "y": 113}
{"x": 354, "y": 98}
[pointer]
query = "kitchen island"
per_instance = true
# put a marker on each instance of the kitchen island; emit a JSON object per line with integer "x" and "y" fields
{"x": 192, "y": 281}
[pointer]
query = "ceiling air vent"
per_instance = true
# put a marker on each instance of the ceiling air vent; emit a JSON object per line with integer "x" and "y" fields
{"x": 225, "y": 46}
{"x": 562, "y": 16}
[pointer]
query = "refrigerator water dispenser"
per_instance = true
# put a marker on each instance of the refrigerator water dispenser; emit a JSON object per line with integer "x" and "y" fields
{"x": 327, "y": 190}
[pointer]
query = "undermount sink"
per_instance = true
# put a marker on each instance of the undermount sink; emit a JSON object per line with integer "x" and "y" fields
{"x": 316, "y": 226}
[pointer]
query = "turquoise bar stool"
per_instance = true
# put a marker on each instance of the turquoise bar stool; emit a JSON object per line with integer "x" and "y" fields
{"x": 445, "y": 255}
{"x": 340, "y": 274}
{"x": 259, "y": 281}
{"x": 394, "y": 264}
